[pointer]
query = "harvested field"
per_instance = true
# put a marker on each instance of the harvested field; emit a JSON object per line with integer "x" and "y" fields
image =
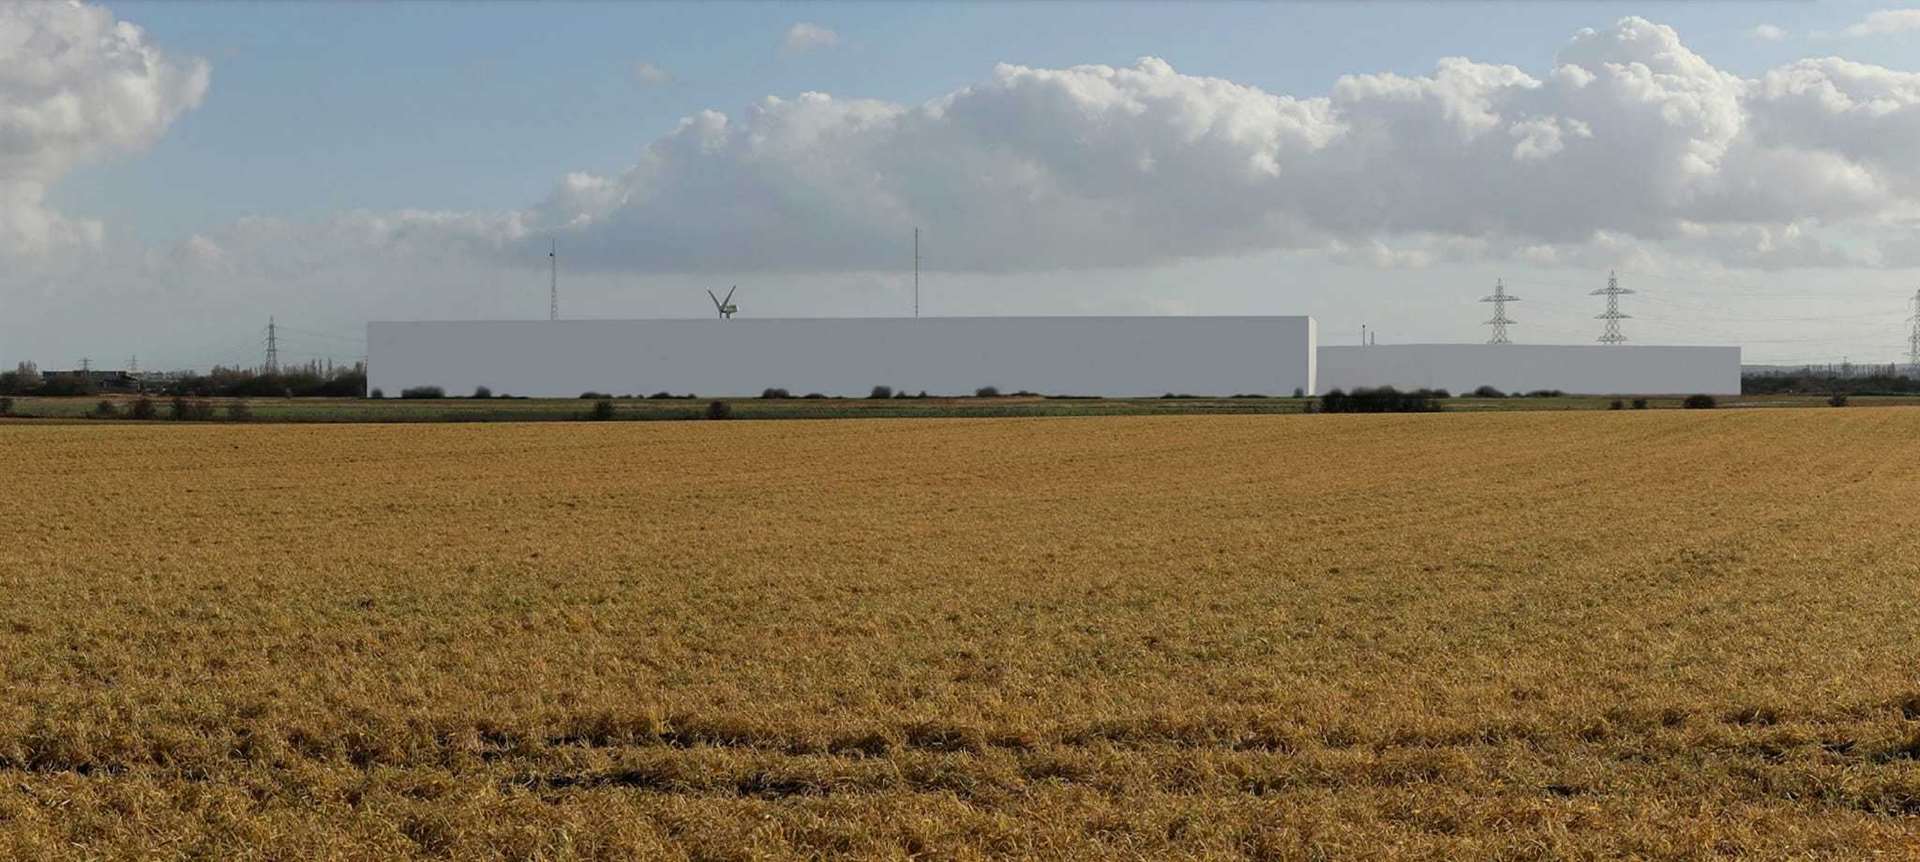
{"x": 1661, "y": 634}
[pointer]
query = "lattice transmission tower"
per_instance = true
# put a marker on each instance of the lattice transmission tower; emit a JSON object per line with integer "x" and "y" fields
{"x": 1613, "y": 291}
{"x": 1913, "y": 338}
{"x": 1500, "y": 298}
{"x": 273, "y": 347}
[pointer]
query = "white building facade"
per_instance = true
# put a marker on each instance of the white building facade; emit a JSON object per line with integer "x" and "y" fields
{"x": 1093, "y": 356}
{"x": 1596, "y": 369}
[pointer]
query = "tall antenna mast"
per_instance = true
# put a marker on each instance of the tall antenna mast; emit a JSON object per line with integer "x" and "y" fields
{"x": 1500, "y": 298}
{"x": 1613, "y": 291}
{"x": 1913, "y": 339}
{"x": 553, "y": 285}
{"x": 916, "y": 272}
{"x": 273, "y": 347}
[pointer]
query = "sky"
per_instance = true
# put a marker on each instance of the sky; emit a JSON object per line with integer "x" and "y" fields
{"x": 174, "y": 174}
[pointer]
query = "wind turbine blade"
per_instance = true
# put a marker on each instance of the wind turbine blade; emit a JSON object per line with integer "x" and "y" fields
{"x": 730, "y": 292}
{"x": 716, "y": 300}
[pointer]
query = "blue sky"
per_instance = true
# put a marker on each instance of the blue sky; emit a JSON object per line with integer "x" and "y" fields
{"x": 334, "y": 163}
{"x": 321, "y": 107}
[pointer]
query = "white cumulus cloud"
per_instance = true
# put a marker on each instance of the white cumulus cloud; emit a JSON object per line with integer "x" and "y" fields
{"x": 651, "y": 75}
{"x": 76, "y": 85}
{"x": 806, "y": 36}
{"x": 1768, "y": 33}
{"x": 1884, "y": 22}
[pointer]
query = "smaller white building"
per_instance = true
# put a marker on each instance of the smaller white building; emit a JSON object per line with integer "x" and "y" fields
{"x": 1583, "y": 369}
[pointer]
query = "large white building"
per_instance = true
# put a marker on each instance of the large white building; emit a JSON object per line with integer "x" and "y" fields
{"x": 1098, "y": 356}
{"x": 1101, "y": 356}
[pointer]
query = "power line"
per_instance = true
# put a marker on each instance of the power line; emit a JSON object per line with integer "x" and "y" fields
{"x": 1499, "y": 321}
{"x": 1613, "y": 291}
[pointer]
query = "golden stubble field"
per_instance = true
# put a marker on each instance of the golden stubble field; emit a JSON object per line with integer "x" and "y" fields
{"x": 1656, "y": 634}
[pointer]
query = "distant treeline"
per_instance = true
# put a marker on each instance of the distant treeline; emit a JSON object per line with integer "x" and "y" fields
{"x": 309, "y": 381}
{"x": 1819, "y": 382}
{"x": 347, "y": 381}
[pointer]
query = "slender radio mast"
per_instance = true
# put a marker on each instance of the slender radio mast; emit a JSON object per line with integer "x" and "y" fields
{"x": 1613, "y": 291}
{"x": 916, "y": 272}
{"x": 1500, "y": 298}
{"x": 553, "y": 285}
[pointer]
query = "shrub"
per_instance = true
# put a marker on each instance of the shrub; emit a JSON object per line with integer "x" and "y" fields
{"x": 1639, "y": 403}
{"x": 1385, "y": 399}
{"x": 423, "y": 392}
{"x": 719, "y": 410}
{"x": 594, "y": 396}
{"x": 775, "y": 393}
{"x": 6, "y": 406}
{"x": 1299, "y": 393}
{"x": 1546, "y": 393}
{"x": 923, "y": 394}
{"x": 1616, "y": 404}
{"x": 66, "y": 384}
{"x": 189, "y": 409}
{"x": 1026, "y": 393}
{"x": 239, "y": 411}
{"x": 1699, "y": 402}
{"x": 902, "y": 394}
{"x": 1837, "y": 399}
{"x": 812, "y": 396}
{"x": 661, "y": 395}
{"x": 602, "y": 410}
{"x": 376, "y": 394}
{"x": 482, "y": 392}
{"x": 881, "y": 392}
{"x": 986, "y": 392}
{"x": 1488, "y": 392}
{"x": 105, "y": 410}
{"x": 142, "y": 409}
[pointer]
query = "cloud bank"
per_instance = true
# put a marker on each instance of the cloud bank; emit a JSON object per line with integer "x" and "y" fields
{"x": 1628, "y": 139}
{"x": 76, "y": 85}
{"x": 1629, "y": 136}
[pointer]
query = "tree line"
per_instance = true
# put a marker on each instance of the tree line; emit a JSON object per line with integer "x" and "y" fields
{"x": 306, "y": 381}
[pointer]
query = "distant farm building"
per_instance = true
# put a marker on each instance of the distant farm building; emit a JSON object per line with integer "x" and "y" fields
{"x": 98, "y": 381}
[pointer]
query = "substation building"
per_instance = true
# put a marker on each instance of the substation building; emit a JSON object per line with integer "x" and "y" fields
{"x": 1088, "y": 356}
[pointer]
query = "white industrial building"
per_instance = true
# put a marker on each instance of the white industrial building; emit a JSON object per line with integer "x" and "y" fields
{"x": 1583, "y": 369}
{"x": 1099, "y": 356}
{"x": 1092, "y": 356}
